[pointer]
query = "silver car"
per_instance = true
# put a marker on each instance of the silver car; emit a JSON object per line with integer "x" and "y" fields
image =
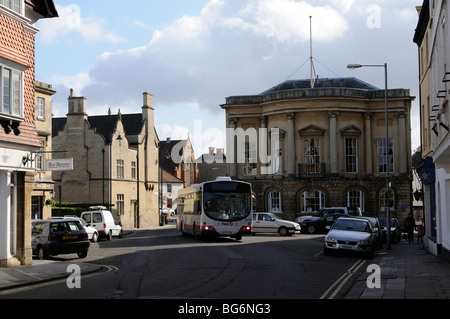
{"x": 351, "y": 234}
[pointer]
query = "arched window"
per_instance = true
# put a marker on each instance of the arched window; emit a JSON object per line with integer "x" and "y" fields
{"x": 382, "y": 202}
{"x": 355, "y": 198}
{"x": 312, "y": 201}
{"x": 274, "y": 202}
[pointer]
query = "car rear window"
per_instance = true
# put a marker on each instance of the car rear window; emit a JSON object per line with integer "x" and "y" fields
{"x": 65, "y": 226}
{"x": 96, "y": 217}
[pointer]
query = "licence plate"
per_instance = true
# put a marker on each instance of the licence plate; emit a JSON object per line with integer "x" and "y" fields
{"x": 346, "y": 247}
{"x": 70, "y": 237}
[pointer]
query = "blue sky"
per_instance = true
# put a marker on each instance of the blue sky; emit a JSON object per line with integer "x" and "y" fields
{"x": 193, "y": 54}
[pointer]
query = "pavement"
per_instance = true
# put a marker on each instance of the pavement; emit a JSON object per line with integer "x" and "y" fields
{"x": 407, "y": 271}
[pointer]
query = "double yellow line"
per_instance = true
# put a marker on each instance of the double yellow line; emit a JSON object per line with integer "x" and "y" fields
{"x": 337, "y": 286}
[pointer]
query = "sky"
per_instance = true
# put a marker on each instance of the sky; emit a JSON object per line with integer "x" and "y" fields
{"x": 192, "y": 55}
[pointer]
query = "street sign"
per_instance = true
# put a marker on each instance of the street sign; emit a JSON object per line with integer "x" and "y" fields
{"x": 64, "y": 164}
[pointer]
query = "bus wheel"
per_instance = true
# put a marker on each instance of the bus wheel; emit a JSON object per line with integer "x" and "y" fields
{"x": 183, "y": 233}
{"x": 238, "y": 237}
{"x": 194, "y": 232}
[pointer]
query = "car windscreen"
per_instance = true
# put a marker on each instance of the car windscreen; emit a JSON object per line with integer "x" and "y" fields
{"x": 352, "y": 225}
{"x": 227, "y": 201}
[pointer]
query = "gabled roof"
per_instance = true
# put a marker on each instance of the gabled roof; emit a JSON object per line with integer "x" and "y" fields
{"x": 169, "y": 178}
{"x": 46, "y": 8}
{"x": 104, "y": 124}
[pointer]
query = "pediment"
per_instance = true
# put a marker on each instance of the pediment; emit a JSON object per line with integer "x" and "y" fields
{"x": 350, "y": 130}
{"x": 312, "y": 130}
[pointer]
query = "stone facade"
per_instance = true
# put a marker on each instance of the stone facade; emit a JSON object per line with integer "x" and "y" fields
{"x": 43, "y": 191}
{"x": 324, "y": 146}
{"x": 115, "y": 161}
{"x": 432, "y": 37}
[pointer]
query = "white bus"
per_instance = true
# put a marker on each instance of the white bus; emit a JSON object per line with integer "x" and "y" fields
{"x": 218, "y": 208}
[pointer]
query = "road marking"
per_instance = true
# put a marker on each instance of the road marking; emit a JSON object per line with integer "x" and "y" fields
{"x": 337, "y": 286}
{"x": 32, "y": 286}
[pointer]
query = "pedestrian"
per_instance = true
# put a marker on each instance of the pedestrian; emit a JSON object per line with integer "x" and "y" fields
{"x": 421, "y": 231}
{"x": 410, "y": 225}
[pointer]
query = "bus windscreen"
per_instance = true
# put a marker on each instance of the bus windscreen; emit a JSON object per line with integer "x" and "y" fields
{"x": 227, "y": 201}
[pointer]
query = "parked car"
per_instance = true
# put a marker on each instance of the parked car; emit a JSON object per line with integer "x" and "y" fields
{"x": 102, "y": 220}
{"x": 350, "y": 234}
{"x": 167, "y": 211}
{"x": 59, "y": 236}
{"x": 91, "y": 231}
{"x": 271, "y": 223}
{"x": 376, "y": 229}
{"x": 396, "y": 230}
{"x": 353, "y": 211}
{"x": 321, "y": 225}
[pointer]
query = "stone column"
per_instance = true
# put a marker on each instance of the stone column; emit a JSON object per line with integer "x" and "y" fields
{"x": 291, "y": 144}
{"x": 5, "y": 236}
{"x": 402, "y": 145}
{"x": 231, "y": 158}
{"x": 333, "y": 142}
{"x": 263, "y": 158}
{"x": 368, "y": 142}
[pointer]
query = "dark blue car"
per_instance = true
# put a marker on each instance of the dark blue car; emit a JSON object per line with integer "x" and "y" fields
{"x": 62, "y": 236}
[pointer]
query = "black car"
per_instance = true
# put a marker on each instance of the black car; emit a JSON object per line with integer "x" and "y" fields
{"x": 62, "y": 236}
{"x": 321, "y": 225}
{"x": 396, "y": 230}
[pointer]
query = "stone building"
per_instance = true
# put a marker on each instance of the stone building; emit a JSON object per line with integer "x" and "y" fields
{"x": 178, "y": 159}
{"x": 306, "y": 148}
{"x": 212, "y": 165}
{"x": 43, "y": 191}
{"x": 19, "y": 141}
{"x": 115, "y": 159}
{"x": 433, "y": 167}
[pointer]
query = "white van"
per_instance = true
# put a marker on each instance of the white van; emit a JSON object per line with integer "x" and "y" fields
{"x": 102, "y": 220}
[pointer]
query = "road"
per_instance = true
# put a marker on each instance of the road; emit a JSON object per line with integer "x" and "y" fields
{"x": 162, "y": 264}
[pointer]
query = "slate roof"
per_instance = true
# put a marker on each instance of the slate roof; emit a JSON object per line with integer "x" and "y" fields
{"x": 104, "y": 124}
{"x": 349, "y": 83}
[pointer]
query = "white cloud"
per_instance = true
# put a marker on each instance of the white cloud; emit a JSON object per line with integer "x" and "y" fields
{"x": 287, "y": 20}
{"x": 234, "y": 47}
{"x": 70, "y": 21}
{"x": 77, "y": 82}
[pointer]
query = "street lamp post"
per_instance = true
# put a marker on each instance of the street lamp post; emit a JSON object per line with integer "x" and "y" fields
{"x": 388, "y": 222}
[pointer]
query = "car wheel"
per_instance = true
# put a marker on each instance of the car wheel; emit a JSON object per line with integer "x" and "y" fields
{"x": 311, "y": 229}
{"x": 41, "y": 253}
{"x": 283, "y": 231}
{"x": 82, "y": 254}
{"x": 121, "y": 234}
{"x": 94, "y": 238}
{"x": 326, "y": 251}
{"x": 109, "y": 235}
